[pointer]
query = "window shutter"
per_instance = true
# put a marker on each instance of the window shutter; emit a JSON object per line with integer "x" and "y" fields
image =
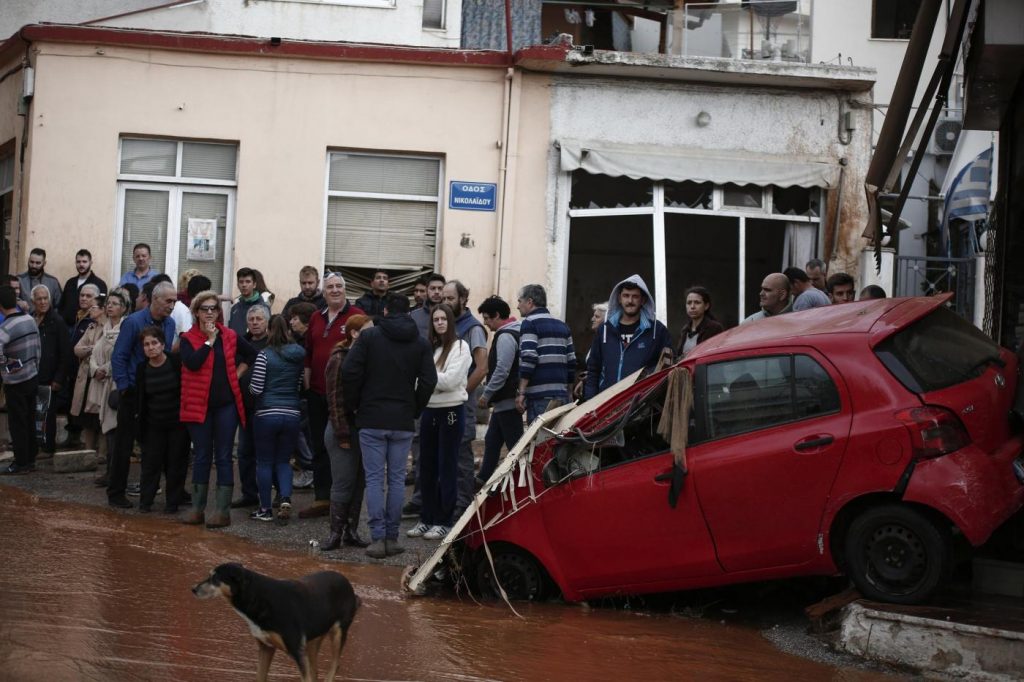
{"x": 208, "y": 161}
{"x": 148, "y": 157}
{"x": 433, "y": 13}
{"x": 373, "y": 233}
{"x": 384, "y": 174}
{"x": 211, "y": 206}
{"x": 7, "y": 174}
{"x": 145, "y": 220}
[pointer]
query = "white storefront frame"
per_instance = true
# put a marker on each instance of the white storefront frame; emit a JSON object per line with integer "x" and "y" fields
{"x": 657, "y": 212}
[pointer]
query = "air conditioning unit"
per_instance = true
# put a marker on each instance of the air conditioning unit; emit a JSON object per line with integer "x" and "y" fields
{"x": 947, "y": 132}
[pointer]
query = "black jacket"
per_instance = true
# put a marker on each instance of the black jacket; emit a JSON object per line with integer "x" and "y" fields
{"x": 388, "y": 375}
{"x": 141, "y": 411}
{"x": 69, "y": 299}
{"x": 55, "y": 350}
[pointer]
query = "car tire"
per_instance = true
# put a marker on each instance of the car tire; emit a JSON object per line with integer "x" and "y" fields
{"x": 518, "y": 573}
{"x": 896, "y": 554}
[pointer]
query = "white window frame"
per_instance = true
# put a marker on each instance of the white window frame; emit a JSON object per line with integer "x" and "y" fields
{"x": 173, "y": 239}
{"x": 419, "y": 198}
{"x": 658, "y": 210}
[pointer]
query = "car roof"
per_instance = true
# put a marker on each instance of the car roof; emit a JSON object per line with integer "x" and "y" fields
{"x": 879, "y": 318}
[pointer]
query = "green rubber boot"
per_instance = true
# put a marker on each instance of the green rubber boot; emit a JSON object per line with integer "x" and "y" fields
{"x": 222, "y": 517}
{"x": 197, "y": 516}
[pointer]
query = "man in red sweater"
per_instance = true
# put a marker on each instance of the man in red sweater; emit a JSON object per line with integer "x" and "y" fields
{"x": 326, "y": 329}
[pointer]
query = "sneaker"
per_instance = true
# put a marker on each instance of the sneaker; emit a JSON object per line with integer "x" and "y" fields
{"x": 132, "y": 490}
{"x": 418, "y": 530}
{"x": 302, "y": 479}
{"x": 262, "y": 515}
{"x": 436, "y": 533}
{"x": 411, "y": 511}
{"x": 284, "y": 510}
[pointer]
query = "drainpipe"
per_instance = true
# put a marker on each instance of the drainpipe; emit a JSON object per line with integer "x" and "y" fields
{"x": 898, "y": 112}
{"x": 505, "y": 142}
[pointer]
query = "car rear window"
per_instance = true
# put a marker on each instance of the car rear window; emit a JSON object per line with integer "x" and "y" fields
{"x": 939, "y": 350}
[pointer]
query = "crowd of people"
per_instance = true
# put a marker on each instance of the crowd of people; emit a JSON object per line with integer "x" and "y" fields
{"x": 329, "y": 393}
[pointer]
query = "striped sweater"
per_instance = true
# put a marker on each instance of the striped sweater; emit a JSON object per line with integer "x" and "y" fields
{"x": 19, "y": 348}
{"x": 546, "y": 355}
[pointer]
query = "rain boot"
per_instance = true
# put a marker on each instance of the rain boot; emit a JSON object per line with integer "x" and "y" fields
{"x": 222, "y": 517}
{"x": 197, "y": 516}
{"x": 351, "y": 536}
{"x": 339, "y": 516}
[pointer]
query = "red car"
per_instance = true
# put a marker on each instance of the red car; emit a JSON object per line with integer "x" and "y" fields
{"x": 857, "y": 439}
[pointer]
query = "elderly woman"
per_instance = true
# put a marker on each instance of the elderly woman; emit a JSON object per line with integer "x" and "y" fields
{"x": 80, "y": 370}
{"x": 93, "y": 352}
{"x": 212, "y": 358}
{"x": 54, "y": 359}
{"x": 90, "y": 307}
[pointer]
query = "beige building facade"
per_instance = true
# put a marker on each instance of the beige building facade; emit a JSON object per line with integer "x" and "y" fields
{"x": 223, "y": 152}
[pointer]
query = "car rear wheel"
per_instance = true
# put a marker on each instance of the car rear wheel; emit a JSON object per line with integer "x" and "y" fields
{"x": 897, "y": 554}
{"x": 517, "y": 572}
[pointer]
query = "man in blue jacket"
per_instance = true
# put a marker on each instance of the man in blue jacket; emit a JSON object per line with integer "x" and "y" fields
{"x": 630, "y": 339}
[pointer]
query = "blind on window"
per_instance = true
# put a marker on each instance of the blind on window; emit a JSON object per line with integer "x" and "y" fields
{"x": 210, "y": 161}
{"x": 7, "y": 174}
{"x": 210, "y": 206}
{"x": 145, "y": 221}
{"x": 373, "y": 233}
{"x": 433, "y": 13}
{"x": 149, "y": 157}
{"x": 384, "y": 174}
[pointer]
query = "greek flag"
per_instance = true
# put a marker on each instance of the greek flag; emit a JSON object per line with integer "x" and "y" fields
{"x": 968, "y": 183}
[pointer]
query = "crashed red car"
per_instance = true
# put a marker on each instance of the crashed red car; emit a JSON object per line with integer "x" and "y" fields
{"x": 856, "y": 439}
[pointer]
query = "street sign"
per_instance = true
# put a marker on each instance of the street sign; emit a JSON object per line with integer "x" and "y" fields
{"x": 472, "y": 196}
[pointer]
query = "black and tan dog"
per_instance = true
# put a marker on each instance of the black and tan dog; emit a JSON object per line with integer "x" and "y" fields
{"x": 296, "y": 616}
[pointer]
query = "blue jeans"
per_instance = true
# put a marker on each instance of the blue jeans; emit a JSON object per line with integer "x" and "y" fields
{"x": 440, "y": 436}
{"x": 276, "y": 436}
{"x": 535, "y": 407}
{"x": 505, "y": 428}
{"x": 384, "y": 454}
{"x": 213, "y": 440}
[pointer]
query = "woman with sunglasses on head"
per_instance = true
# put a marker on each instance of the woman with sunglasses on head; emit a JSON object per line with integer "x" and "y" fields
{"x": 441, "y": 427}
{"x": 212, "y": 358}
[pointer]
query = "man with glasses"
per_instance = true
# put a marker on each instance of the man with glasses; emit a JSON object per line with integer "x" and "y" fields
{"x": 123, "y": 363}
{"x": 326, "y": 330}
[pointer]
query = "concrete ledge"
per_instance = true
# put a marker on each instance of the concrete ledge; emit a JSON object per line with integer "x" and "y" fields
{"x": 929, "y": 645}
{"x": 68, "y": 461}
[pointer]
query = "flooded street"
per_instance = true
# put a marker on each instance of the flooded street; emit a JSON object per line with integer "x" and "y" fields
{"x": 90, "y": 594}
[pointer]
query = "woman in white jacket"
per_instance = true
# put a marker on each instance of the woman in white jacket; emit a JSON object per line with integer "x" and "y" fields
{"x": 441, "y": 426}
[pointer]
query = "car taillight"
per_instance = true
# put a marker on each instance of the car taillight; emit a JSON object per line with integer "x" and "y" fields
{"x": 934, "y": 431}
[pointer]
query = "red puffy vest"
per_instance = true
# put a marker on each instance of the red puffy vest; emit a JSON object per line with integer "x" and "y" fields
{"x": 195, "y": 386}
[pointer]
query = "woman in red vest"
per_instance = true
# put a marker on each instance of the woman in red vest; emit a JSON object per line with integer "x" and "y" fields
{"x": 212, "y": 358}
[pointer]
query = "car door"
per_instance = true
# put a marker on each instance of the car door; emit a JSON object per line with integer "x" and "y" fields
{"x": 615, "y": 528}
{"x": 774, "y": 429}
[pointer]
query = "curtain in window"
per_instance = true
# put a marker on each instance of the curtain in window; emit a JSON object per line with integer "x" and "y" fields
{"x": 483, "y": 24}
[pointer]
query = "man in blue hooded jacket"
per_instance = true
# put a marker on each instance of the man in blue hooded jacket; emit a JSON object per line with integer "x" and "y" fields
{"x": 630, "y": 339}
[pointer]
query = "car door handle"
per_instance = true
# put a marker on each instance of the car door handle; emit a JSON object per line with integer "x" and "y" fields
{"x": 661, "y": 478}
{"x": 813, "y": 442}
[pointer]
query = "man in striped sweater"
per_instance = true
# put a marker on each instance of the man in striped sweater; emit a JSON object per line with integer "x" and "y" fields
{"x": 19, "y": 367}
{"x": 547, "y": 361}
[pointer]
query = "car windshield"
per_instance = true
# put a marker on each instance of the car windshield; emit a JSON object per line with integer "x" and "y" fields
{"x": 939, "y": 350}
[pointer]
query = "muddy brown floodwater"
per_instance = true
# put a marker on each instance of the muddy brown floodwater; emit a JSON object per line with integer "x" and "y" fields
{"x": 88, "y": 594}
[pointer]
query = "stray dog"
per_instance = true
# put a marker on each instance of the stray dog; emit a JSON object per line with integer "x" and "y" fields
{"x": 292, "y": 615}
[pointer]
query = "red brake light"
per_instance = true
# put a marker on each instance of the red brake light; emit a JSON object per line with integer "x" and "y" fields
{"x": 934, "y": 431}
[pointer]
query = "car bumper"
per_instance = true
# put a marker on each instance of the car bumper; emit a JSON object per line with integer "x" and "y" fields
{"x": 975, "y": 490}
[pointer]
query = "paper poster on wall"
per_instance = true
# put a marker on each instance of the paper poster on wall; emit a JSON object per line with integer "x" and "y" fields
{"x": 202, "y": 239}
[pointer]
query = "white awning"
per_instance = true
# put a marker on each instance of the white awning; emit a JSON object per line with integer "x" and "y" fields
{"x": 697, "y": 165}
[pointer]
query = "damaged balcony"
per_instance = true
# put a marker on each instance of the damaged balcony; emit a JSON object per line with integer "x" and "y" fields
{"x": 757, "y": 30}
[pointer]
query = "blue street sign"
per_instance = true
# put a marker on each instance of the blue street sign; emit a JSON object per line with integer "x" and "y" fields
{"x": 473, "y": 196}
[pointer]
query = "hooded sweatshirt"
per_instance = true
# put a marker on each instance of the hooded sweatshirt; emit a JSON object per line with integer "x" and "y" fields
{"x": 612, "y": 356}
{"x": 389, "y": 375}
